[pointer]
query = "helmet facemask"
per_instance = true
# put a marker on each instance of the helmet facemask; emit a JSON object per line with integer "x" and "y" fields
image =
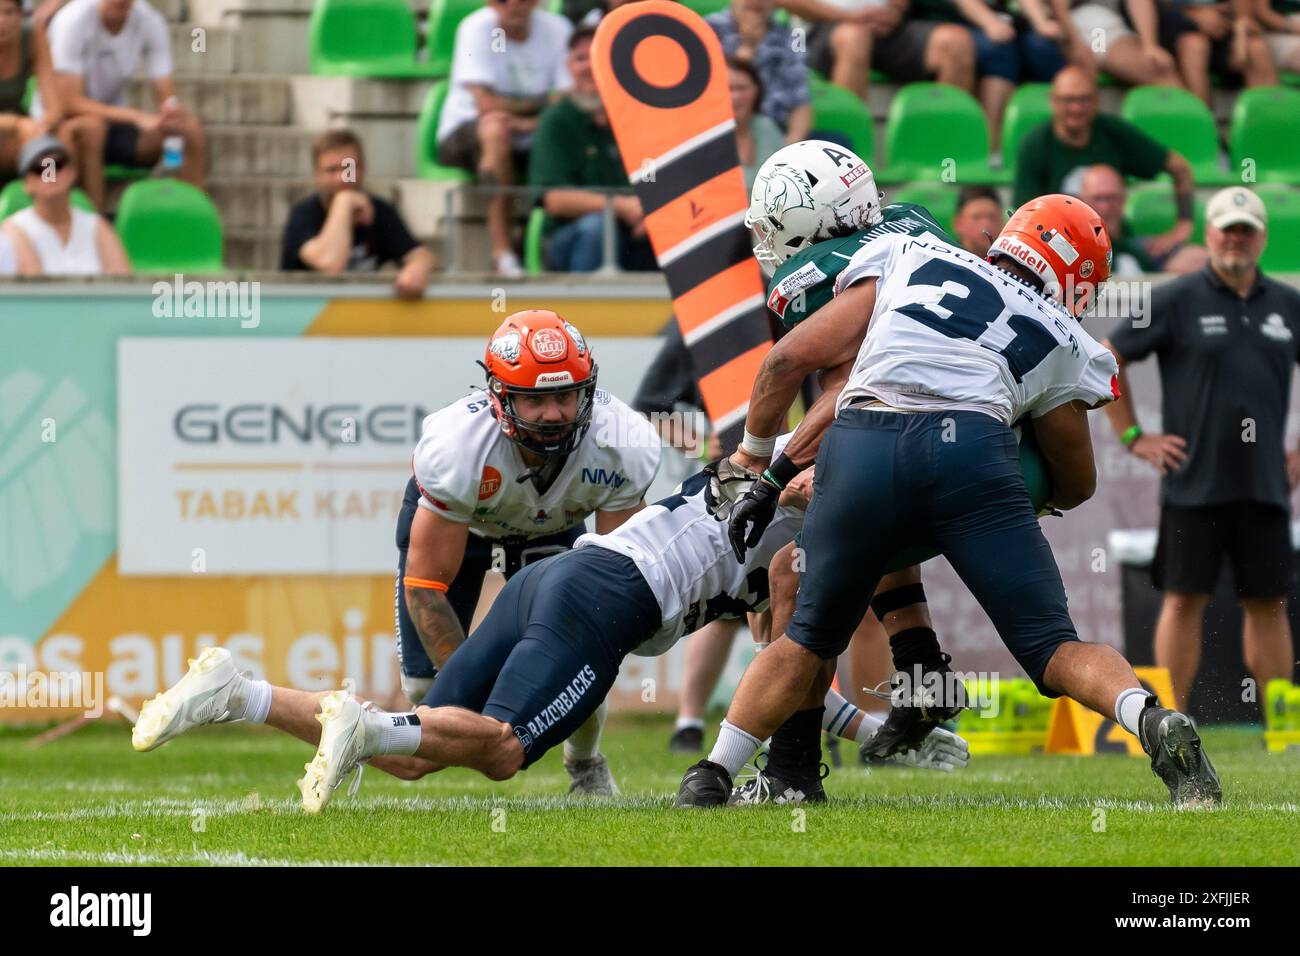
{"x": 546, "y": 439}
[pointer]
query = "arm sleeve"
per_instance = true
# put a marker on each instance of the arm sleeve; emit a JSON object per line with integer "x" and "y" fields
{"x": 67, "y": 46}
{"x": 447, "y": 486}
{"x": 471, "y": 59}
{"x": 1098, "y": 384}
{"x": 394, "y": 239}
{"x": 561, "y": 79}
{"x": 1138, "y": 336}
{"x": 158, "y": 50}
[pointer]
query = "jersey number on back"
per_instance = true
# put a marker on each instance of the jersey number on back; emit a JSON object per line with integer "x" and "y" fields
{"x": 973, "y": 312}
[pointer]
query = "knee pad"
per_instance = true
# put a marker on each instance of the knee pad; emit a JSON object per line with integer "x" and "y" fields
{"x": 416, "y": 688}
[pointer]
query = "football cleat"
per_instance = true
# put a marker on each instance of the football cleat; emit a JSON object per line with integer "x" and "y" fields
{"x": 202, "y": 696}
{"x": 686, "y": 740}
{"x": 591, "y": 777}
{"x": 1177, "y": 756}
{"x": 705, "y": 785}
{"x": 766, "y": 786}
{"x": 919, "y": 703}
{"x": 342, "y": 749}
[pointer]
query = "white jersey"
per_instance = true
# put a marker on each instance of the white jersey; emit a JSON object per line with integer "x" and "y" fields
{"x": 685, "y": 555}
{"x": 952, "y": 332}
{"x": 469, "y": 472}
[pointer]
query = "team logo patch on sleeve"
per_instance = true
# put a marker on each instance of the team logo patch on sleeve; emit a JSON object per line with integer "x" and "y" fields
{"x": 785, "y": 291}
{"x": 489, "y": 484}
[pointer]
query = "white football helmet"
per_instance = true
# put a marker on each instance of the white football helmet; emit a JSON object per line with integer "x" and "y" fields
{"x": 807, "y": 192}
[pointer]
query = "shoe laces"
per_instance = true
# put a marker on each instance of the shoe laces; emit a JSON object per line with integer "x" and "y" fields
{"x": 754, "y": 778}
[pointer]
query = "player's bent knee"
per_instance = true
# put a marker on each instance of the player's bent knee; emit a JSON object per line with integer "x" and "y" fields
{"x": 416, "y": 688}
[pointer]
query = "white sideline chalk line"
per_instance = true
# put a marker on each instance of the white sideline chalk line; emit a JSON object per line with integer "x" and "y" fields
{"x": 213, "y": 858}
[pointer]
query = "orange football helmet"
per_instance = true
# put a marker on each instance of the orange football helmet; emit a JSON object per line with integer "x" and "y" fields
{"x": 1063, "y": 241}
{"x": 537, "y": 352}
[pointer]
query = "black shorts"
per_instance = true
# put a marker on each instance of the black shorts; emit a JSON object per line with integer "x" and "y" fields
{"x": 462, "y": 149}
{"x": 549, "y": 650}
{"x": 463, "y": 592}
{"x": 1256, "y": 537}
{"x": 900, "y": 56}
{"x": 121, "y": 143}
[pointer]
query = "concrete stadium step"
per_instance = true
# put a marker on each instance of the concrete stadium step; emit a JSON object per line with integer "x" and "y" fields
{"x": 206, "y": 50}
{"x": 273, "y": 33}
{"x": 243, "y": 99}
{"x": 252, "y": 249}
{"x": 259, "y": 150}
{"x": 171, "y": 9}
{"x": 264, "y": 202}
{"x": 321, "y": 101}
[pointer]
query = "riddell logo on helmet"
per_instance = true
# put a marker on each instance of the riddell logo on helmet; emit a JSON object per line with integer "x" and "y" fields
{"x": 548, "y": 344}
{"x": 553, "y": 378}
{"x": 1018, "y": 250}
{"x": 853, "y": 175}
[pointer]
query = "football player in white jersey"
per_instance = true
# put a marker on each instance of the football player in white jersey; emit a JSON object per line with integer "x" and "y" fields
{"x": 948, "y": 351}
{"x": 506, "y": 477}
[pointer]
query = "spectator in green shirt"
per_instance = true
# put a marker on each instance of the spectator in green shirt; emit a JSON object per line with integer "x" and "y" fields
{"x": 1078, "y": 136}
{"x": 1102, "y": 188}
{"x": 576, "y": 161}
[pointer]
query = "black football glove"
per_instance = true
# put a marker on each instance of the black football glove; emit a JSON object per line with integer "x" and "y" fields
{"x": 755, "y": 511}
{"x": 727, "y": 484}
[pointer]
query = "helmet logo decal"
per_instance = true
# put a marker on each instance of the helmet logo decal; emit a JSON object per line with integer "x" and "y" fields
{"x": 553, "y": 378}
{"x": 784, "y": 190}
{"x": 1085, "y": 269}
{"x": 853, "y": 175}
{"x": 1061, "y": 246}
{"x": 548, "y": 345}
{"x": 506, "y": 347}
{"x": 574, "y": 334}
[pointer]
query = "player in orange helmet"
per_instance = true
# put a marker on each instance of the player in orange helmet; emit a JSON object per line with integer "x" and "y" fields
{"x": 948, "y": 351}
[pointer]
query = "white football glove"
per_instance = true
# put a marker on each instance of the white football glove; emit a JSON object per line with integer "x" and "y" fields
{"x": 941, "y": 750}
{"x": 728, "y": 483}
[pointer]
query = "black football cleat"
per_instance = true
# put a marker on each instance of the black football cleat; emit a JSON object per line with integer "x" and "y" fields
{"x": 686, "y": 740}
{"x": 768, "y": 786}
{"x": 705, "y": 785}
{"x": 921, "y": 701}
{"x": 1177, "y": 756}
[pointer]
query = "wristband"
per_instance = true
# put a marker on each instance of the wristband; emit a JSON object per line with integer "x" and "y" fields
{"x": 758, "y": 447}
{"x": 1185, "y": 208}
{"x": 782, "y": 471}
{"x": 1131, "y": 434}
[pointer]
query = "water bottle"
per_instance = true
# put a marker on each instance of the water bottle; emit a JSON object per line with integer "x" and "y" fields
{"x": 173, "y": 146}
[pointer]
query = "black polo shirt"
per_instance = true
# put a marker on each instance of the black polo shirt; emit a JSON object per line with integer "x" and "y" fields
{"x": 1223, "y": 359}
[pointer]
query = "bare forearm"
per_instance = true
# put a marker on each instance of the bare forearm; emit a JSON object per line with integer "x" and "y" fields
{"x": 436, "y": 623}
{"x": 807, "y": 438}
{"x": 774, "y": 391}
{"x": 328, "y": 250}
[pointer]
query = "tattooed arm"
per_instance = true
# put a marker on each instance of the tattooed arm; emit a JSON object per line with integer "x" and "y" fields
{"x": 435, "y": 554}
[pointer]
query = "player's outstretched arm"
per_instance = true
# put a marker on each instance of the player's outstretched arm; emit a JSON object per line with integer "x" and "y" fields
{"x": 1066, "y": 444}
{"x": 433, "y": 560}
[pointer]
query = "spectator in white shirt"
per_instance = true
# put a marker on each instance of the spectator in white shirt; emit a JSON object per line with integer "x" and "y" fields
{"x": 509, "y": 58}
{"x": 51, "y": 237}
{"x": 95, "y": 47}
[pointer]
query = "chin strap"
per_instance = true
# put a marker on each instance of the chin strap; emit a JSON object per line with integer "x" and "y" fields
{"x": 544, "y": 475}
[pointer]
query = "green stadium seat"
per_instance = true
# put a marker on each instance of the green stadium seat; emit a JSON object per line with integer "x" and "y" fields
{"x": 1028, "y": 107}
{"x": 1178, "y": 120}
{"x": 444, "y": 18}
{"x": 168, "y": 225}
{"x": 1291, "y": 79}
{"x": 14, "y": 198}
{"x": 705, "y": 7}
{"x": 1265, "y": 135}
{"x": 940, "y": 199}
{"x": 912, "y": 150}
{"x": 426, "y": 139}
{"x": 375, "y": 38}
{"x": 533, "y": 264}
{"x": 1151, "y": 210}
{"x": 835, "y": 109}
{"x": 1282, "y": 254}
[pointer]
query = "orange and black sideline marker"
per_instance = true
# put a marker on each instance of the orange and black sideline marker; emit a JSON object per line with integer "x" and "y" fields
{"x": 663, "y": 82}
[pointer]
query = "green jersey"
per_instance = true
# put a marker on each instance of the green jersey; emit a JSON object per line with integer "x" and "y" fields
{"x": 806, "y": 282}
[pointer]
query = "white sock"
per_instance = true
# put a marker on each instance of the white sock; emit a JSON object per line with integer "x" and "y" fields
{"x": 1128, "y": 707}
{"x": 689, "y": 722}
{"x": 398, "y": 733}
{"x": 839, "y": 713}
{"x": 257, "y": 700}
{"x": 584, "y": 743}
{"x": 733, "y": 749}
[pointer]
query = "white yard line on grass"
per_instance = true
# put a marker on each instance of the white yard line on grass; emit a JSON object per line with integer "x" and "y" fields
{"x": 122, "y": 858}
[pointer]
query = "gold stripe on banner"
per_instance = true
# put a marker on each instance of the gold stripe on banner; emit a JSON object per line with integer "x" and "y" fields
{"x": 476, "y": 317}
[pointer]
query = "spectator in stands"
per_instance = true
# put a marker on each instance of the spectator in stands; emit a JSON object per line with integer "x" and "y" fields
{"x": 344, "y": 228}
{"x": 748, "y": 32}
{"x": 1225, "y": 339}
{"x": 1102, "y": 187}
{"x": 1219, "y": 38}
{"x": 22, "y": 54}
{"x": 8, "y": 258}
{"x": 576, "y": 160}
{"x": 1039, "y": 40}
{"x": 95, "y": 48}
{"x": 51, "y": 237}
{"x": 1078, "y": 135}
{"x": 978, "y": 220}
{"x": 1280, "y": 20}
{"x": 846, "y": 44}
{"x": 1098, "y": 37}
{"x": 509, "y": 59}
{"x": 757, "y": 136}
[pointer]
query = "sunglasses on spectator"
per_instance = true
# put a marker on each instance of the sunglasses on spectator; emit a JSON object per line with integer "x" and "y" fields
{"x": 41, "y": 165}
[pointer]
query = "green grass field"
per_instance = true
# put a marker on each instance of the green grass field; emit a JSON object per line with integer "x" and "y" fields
{"x": 226, "y": 795}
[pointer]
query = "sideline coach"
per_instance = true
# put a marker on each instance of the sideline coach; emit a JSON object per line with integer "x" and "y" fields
{"x": 1226, "y": 339}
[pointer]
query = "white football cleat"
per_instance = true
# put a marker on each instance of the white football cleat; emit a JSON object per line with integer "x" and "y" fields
{"x": 202, "y": 696}
{"x": 342, "y": 748}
